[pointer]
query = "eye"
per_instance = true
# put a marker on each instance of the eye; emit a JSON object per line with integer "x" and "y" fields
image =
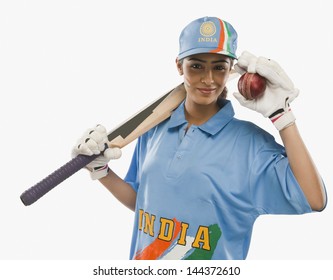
{"x": 196, "y": 66}
{"x": 220, "y": 68}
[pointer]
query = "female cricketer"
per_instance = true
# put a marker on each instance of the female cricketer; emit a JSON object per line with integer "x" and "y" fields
{"x": 199, "y": 180}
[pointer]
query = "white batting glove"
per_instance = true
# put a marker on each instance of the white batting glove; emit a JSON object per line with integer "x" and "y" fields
{"x": 280, "y": 90}
{"x": 94, "y": 142}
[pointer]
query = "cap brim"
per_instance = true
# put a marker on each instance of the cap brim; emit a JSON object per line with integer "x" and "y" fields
{"x": 205, "y": 50}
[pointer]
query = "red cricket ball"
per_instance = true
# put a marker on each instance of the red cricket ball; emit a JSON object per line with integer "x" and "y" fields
{"x": 251, "y": 85}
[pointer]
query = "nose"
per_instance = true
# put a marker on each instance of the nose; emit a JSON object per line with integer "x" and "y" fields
{"x": 207, "y": 78}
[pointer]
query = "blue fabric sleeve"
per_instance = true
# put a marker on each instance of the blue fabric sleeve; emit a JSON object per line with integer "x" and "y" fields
{"x": 274, "y": 188}
{"x": 132, "y": 173}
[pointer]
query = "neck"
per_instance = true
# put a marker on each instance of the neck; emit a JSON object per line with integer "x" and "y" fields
{"x": 198, "y": 114}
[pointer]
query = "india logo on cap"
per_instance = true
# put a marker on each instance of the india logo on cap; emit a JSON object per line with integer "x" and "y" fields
{"x": 208, "y": 35}
{"x": 207, "y": 29}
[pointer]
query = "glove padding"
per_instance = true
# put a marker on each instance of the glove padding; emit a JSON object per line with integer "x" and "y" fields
{"x": 280, "y": 90}
{"x": 94, "y": 142}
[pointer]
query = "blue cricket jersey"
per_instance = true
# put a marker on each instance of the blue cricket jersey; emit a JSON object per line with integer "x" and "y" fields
{"x": 199, "y": 193}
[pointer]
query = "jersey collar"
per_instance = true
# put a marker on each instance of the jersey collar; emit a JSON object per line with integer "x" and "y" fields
{"x": 213, "y": 125}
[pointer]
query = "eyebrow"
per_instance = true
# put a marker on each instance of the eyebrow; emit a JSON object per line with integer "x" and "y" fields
{"x": 204, "y": 61}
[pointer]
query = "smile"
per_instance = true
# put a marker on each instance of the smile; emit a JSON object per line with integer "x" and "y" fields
{"x": 207, "y": 90}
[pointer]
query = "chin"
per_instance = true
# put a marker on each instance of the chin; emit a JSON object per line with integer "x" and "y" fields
{"x": 205, "y": 100}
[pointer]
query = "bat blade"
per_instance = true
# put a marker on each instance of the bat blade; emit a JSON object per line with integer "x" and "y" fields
{"x": 155, "y": 113}
{"x": 120, "y": 137}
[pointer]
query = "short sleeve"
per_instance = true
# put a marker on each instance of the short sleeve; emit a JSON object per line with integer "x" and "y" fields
{"x": 274, "y": 188}
{"x": 132, "y": 176}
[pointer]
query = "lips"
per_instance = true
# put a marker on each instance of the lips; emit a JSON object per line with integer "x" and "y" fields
{"x": 207, "y": 90}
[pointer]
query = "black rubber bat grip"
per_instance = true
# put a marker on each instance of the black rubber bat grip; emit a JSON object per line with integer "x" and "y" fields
{"x": 44, "y": 186}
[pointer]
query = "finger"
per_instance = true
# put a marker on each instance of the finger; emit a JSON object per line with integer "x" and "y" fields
{"x": 241, "y": 99}
{"x": 99, "y": 136}
{"x": 251, "y": 68}
{"x": 112, "y": 153}
{"x": 100, "y": 128}
{"x": 96, "y": 136}
{"x": 92, "y": 146}
{"x": 246, "y": 59}
{"x": 239, "y": 69}
{"x": 83, "y": 149}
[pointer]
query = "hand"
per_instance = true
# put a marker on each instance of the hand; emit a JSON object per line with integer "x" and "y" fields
{"x": 280, "y": 90}
{"x": 94, "y": 142}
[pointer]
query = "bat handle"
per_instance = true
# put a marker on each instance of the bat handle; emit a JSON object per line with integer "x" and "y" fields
{"x": 34, "y": 193}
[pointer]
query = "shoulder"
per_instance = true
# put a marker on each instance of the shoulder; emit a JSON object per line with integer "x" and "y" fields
{"x": 251, "y": 133}
{"x": 151, "y": 133}
{"x": 247, "y": 127}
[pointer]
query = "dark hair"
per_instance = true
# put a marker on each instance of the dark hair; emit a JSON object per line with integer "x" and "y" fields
{"x": 224, "y": 93}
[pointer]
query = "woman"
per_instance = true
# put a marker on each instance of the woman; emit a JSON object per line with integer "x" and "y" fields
{"x": 198, "y": 181}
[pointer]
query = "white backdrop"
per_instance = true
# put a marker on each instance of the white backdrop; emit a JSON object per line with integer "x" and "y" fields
{"x": 68, "y": 65}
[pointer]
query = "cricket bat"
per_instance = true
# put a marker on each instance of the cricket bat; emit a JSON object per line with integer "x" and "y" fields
{"x": 121, "y": 136}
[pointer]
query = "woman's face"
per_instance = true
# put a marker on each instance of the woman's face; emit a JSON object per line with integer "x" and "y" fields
{"x": 205, "y": 76}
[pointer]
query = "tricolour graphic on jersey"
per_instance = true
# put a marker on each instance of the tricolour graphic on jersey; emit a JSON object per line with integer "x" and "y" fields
{"x": 156, "y": 249}
{"x": 173, "y": 242}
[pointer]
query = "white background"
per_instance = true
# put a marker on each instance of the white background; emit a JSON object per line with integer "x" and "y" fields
{"x": 68, "y": 65}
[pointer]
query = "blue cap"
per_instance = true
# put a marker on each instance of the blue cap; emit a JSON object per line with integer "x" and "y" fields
{"x": 208, "y": 35}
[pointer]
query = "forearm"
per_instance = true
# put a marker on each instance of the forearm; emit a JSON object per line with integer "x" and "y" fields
{"x": 303, "y": 167}
{"x": 120, "y": 189}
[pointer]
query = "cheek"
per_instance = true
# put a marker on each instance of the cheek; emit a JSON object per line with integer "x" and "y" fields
{"x": 191, "y": 78}
{"x": 221, "y": 80}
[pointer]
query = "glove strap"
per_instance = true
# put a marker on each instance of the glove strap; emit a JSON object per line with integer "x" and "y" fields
{"x": 99, "y": 172}
{"x": 281, "y": 119}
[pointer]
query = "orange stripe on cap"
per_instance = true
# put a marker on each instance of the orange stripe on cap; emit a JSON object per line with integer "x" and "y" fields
{"x": 222, "y": 39}
{"x": 155, "y": 249}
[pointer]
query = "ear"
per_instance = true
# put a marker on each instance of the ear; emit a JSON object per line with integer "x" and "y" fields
{"x": 179, "y": 64}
